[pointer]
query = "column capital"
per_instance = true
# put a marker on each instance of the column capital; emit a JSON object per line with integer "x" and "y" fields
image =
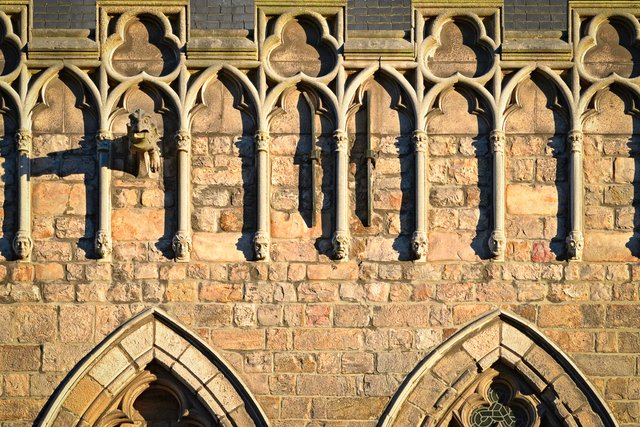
{"x": 497, "y": 243}
{"x": 181, "y": 245}
{"x": 420, "y": 139}
{"x": 341, "y": 244}
{"x": 575, "y": 245}
{"x": 576, "y": 140}
{"x": 419, "y": 244}
{"x": 103, "y": 245}
{"x": 341, "y": 140}
{"x": 24, "y": 140}
{"x": 498, "y": 140}
{"x": 262, "y": 139}
{"x": 183, "y": 140}
{"x": 22, "y": 245}
{"x": 261, "y": 245}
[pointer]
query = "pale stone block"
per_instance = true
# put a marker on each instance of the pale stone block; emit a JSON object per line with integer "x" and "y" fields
{"x": 219, "y": 247}
{"x": 110, "y": 366}
{"x": 515, "y": 340}
{"x": 483, "y": 342}
{"x": 198, "y": 364}
{"x": 139, "y": 342}
{"x": 224, "y": 392}
{"x": 169, "y": 341}
{"x": 610, "y": 246}
{"x": 523, "y": 199}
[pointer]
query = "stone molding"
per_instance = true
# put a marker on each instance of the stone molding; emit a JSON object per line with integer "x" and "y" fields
{"x": 334, "y": 83}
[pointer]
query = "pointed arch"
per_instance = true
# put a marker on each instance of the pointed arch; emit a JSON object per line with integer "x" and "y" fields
{"x": 527, "y": 73}
{"x": 37, "y": 90}
{"x": 496, "y": 342}
{"x": 480, "y": 92}
{"x": 120, "y": 362}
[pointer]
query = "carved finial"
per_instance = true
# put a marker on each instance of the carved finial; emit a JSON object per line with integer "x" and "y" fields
{"x": 262, "y": 139}
{"x": 103, "y": 245}
{"x": 497, "y": 243}
{"x": 420, "y": 139}
{"x": 22, "y": 245}
{"x": 341, "y": 244}
{"x": 181, "y": 245}
{"x": 419, "y": 244}
{"x": 498, "y": 140}
{"x": 143, "y": 142}
{"x": 183, "y": 140}
{"x": 576, "y": 140}
{"x": 24, "y": 140}
{"x": 261, "y": 243}
{"x": 575, "y": 245}
{"x": 104, "y": 138}
{"x": 341, "y": 139}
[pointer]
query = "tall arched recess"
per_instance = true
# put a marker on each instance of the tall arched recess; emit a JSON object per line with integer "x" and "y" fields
{"x": 498, "y": 370}
{"x": 152, "y": 369}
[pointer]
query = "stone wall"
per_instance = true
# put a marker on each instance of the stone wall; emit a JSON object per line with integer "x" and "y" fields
{"x": 269, "y": 270}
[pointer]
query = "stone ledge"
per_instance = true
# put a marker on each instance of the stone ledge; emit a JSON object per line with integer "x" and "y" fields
{"x": 63, "y": 44}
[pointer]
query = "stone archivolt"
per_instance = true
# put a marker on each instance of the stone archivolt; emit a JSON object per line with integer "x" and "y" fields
{"x": 146, "y": 47}
{"x": 152, "y": 369}
{"x": 498, "y": 370}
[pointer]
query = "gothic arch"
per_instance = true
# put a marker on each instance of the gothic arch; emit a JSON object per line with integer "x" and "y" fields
{"x": 151, "y": 349}
{"x": 453, "y": 381}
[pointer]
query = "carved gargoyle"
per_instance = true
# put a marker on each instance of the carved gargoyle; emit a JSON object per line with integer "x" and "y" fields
{"x": 143, "y": 138}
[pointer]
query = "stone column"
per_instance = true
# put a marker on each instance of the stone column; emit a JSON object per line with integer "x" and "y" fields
{"x": 182, "y": 239}
{"x": 103, "y": 244}
{"x": 22, "y": 243}
{"x": 262, "y": 239}
{"x": 497, "y": 241}
{"x": 419, "y": 242}
{"x": 341, "y": 240}
{"x": 575, "y": 239}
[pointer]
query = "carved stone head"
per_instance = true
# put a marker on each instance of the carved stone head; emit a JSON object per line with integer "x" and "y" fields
{"x": 419, "y": 244}
{"x": 181, "y": 245}
{"x": 103, "y": 245}
{"x": 261, "y": 246}
{"x": 22, "y": 245}
{"x": 497, "y": 244}
{"x": 143, "y": 138}
{"x": 341, "y": 243}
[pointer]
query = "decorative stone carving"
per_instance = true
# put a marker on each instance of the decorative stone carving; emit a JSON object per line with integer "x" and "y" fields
{"x": 497, "y": 244}
{"x": 341, "y": 244}
{"x": 576, "y": 141}
{"x": 575, "y": 245}
{"x": 420, "y": 140}
{"x": 24, "y": 140}
{"x": 460, "y": 47}
{"x": 261, "y": 243}
{"x": 181, "y": 245}
{"x": 262, "y": 139}
{"x": 498, "y": 140}
{"x": 612, "y": 46}
{"x": 341, "y": 140}
{"x": 183, "y": 141}
{"x": 103, "y": 244}
{"x": 419, "y": 244}
{"x": 143, "y": 138}
{"x": 22, "y": 245}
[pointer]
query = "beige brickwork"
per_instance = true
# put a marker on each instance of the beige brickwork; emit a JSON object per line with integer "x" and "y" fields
{"x": 211, "y": 274}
